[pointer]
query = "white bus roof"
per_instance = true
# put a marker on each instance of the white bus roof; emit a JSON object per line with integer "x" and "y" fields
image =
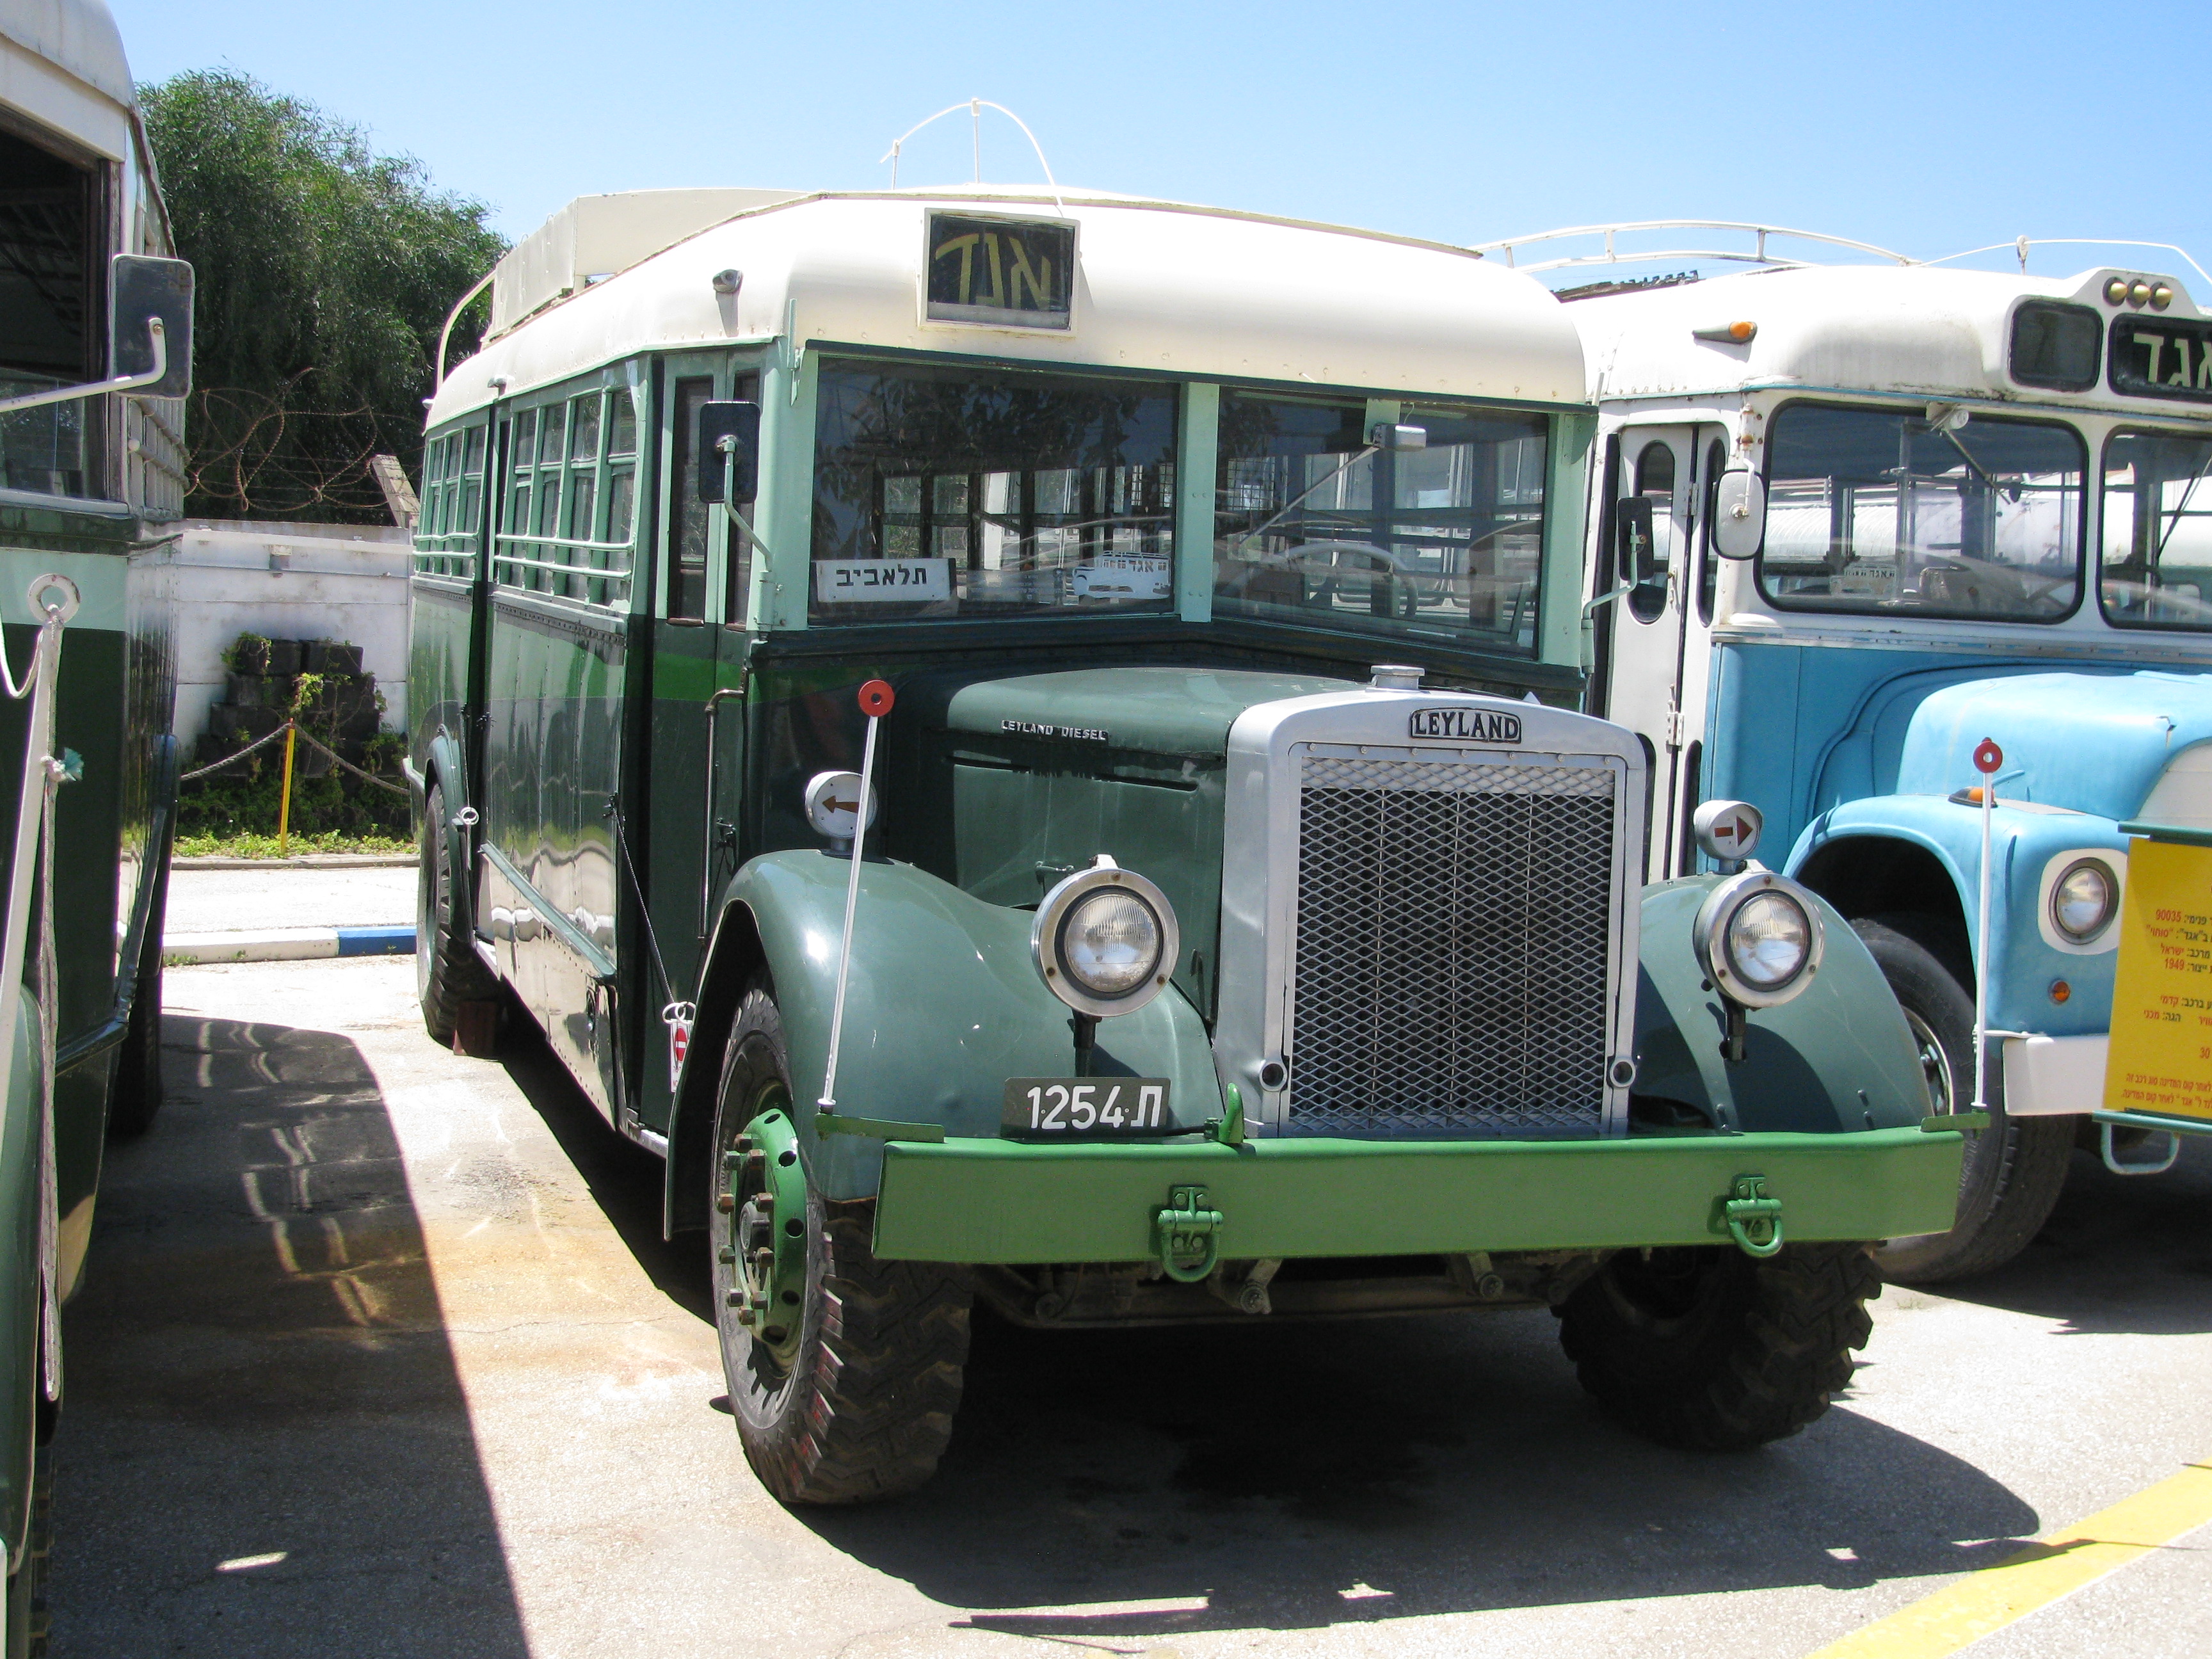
{"x": 62, "y": 64}
{"x": 1160, "y": 286}
{"x": 1912, "y": 331}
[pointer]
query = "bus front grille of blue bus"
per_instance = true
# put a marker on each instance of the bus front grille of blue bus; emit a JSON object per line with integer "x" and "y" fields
{"x": 1452, "y": 966}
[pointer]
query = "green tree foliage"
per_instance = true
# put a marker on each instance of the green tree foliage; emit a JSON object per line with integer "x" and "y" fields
{"x": 325, "y": 272}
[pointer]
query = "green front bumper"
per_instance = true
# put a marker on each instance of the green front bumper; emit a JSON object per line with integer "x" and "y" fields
{"x": 977, "y": 1200}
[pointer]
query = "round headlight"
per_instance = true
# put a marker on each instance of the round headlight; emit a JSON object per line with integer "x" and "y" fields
{"x": 2082, "y": 901}
{"x": 1757, "y": 937}
{"x": 1104, "y": 939}
{"x": 1768, "y": 940}
{"x": 1110, "y": 942}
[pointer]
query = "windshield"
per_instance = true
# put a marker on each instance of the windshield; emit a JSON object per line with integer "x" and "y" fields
{"x": 1313, "y": 523}
{"x": 2155, "y": 566}
{"x": 976, "y": 493}
{"x": 1886, "y": 512}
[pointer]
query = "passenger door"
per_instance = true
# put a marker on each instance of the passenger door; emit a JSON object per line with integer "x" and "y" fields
{"x": 700, "y": 646}
{"x": 1656, "y": 671}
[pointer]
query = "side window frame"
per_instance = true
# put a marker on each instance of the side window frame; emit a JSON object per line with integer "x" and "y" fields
{"x": 539, "y": 549}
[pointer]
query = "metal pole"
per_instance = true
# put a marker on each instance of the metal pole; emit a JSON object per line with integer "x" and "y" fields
{"x": 285, "y": 803}
{"x": 1987, "y": 758}
{"x": 875, "y": 702}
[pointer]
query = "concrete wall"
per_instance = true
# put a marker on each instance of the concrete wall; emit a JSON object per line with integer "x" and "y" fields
{"x": 288, "y": 582}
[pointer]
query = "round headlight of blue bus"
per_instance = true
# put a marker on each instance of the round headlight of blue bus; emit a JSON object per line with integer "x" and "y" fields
{"x": 1757, "y": 937}
{"x": 2083, "y": 900}
{"x": 1104, "y": 940}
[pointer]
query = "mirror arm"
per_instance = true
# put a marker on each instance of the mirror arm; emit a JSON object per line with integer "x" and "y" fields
{"x": 1591, "y": 609}
{"x": 729, "y": 448}
{"x": 61, "y": 394}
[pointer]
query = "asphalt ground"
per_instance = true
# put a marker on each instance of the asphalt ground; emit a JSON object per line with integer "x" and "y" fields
{"x": 381, "y": 1353}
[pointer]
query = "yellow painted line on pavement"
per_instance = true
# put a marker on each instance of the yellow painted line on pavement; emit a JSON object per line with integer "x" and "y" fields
{"x": 2045, "y": 1571}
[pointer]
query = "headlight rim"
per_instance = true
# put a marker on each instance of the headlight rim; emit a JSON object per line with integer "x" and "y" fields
{"x": 2112, "y": 879}
{"x": 1708, "y": 936}
{"x": 1047, "y": 929}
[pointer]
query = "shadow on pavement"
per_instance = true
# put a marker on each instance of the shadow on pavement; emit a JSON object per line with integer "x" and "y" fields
{"x": 2121, "y": 1254}
{"x": 1296, "y": 1477}
{"x": 258, "y": 1374}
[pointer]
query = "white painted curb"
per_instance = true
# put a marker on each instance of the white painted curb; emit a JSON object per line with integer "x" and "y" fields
{"x": 289, "y": 945}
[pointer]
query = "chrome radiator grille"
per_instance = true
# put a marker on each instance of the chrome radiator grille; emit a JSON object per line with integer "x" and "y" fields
{"x": 1454, "y": 925}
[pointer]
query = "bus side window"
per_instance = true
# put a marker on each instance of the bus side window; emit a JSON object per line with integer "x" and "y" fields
{"x": 745, "y": 389}
{"x": 688, "y": 517}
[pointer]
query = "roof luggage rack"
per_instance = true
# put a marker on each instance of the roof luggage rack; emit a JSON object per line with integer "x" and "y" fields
{"x": 1759, "y": 254}
{"x": 1756, "y": 256}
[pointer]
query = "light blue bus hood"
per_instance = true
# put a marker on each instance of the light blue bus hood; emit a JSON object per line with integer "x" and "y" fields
{"x": 2094, "y": 742}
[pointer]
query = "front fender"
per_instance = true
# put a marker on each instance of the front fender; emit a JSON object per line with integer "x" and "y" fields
{"x": 942, "y": 1006}
{"x": 2022, "y": 841}
{"x": 21, "y": 1281}
{"x": 1838, "y": 1058}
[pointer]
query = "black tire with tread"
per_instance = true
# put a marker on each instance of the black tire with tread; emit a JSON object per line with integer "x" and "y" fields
{"x": 865, "y": 1408}
{"x": 2014, "y": 1170}
{"x": 1708, "y": 1350}
{"x": 447, "y": 971}
{"x": 138, "y": 1095}
{"x": 29, "y": 1618}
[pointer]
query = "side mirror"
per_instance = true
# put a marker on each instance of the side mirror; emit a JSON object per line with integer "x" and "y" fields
{"x": 727, "y": 429}
{"x": 1639, "y": 556}
{"x": 1739, "y": 514}
{"x": 142, "y": 291}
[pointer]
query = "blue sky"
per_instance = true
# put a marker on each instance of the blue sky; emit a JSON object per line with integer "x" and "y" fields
{"x": 1928, "y": 128}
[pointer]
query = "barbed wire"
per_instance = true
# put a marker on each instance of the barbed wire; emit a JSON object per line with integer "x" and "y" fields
{"x": 259, "y": 454}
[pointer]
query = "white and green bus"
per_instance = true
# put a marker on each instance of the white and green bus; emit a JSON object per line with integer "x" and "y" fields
{"x": 94, "y": 360}
{"x": 1024, "y": 741}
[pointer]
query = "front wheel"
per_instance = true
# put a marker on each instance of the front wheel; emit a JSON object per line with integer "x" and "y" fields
{"x": 844, "y": 1370}
{"x": 27, "y": 1619}
{"x": 138, "y": 1094}
{"x": 1704, "y": 1348}
{"x": 2013, "y": 1171}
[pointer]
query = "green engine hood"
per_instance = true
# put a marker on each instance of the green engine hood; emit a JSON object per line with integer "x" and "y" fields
{"x": 1023, "y": 779}
{"x": 1183, "y": 712}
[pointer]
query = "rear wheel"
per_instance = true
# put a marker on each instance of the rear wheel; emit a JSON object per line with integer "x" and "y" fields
{"x": 2014, "y": 1170}
{"x": 843, "y": 1390}
{"x": 447, "y": 972}
{"x": 1704, "y": 1348}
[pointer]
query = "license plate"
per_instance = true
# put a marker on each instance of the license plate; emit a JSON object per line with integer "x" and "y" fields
{"x": 1085, "y": 1108}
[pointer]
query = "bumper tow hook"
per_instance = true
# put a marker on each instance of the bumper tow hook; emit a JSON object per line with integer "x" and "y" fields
{"x": 1754, "y": 1219}
{"x": 1188, "y": 1235}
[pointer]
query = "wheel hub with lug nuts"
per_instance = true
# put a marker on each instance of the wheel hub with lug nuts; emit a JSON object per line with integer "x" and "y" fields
{"x": 766, "y": 1201}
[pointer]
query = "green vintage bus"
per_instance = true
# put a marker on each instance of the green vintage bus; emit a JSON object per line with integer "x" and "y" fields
{"x": 94, "y": 362}
{"x": 1242, "y": 922}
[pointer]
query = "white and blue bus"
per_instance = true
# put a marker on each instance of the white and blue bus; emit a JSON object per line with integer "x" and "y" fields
{"x": 1850, "y": 520}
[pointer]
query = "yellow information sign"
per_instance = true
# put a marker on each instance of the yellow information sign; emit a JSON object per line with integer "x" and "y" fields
{"x": 2161, "y": 1054}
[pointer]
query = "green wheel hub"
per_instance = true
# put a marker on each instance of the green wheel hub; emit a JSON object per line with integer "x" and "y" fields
{"x": 767, "y": 1243}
